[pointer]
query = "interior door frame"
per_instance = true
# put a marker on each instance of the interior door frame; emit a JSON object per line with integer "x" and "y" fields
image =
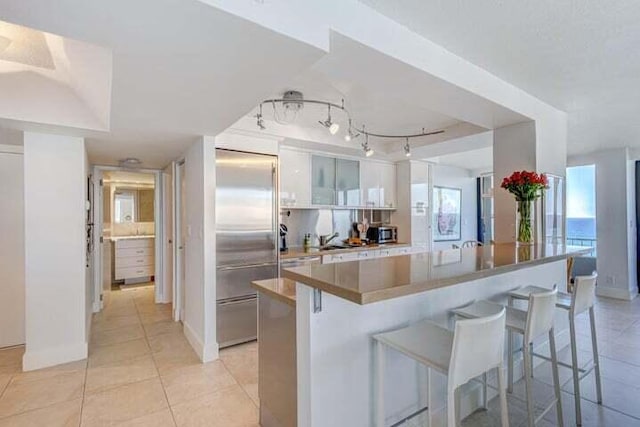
{"x": 178, "y": 238}
{"x": 98, "y": 303}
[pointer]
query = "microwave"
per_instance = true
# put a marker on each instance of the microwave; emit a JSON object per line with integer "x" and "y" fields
{"x": 383, "y": 234}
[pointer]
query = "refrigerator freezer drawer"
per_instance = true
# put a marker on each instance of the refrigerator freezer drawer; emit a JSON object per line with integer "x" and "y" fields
{"x": 237, "y": 321}
{"x": 233, "y": 282}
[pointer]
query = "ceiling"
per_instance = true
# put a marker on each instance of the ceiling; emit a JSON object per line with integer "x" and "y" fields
{"x": 579, "y": 56}
{"x": 177, "y": 68}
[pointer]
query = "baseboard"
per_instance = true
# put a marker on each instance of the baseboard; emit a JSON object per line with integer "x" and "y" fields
{"x": 205, "y": 353}
{"x": 617, "y": 293}
{"x": 53, "y": 356}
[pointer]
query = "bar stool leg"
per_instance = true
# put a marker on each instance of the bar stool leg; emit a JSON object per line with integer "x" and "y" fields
{"x": 504, "y": 414}
{"x": 510, "y": 360}
{"x": 556, "y": 376}
{"x": 510, "y": 346}
{"x": 576, "y": 372}
{"x": 529, "y": 391}
{"x": 379, "y": 387}
{"x": 451, "y": 408}
{"x": 531, "y": 359}
{"x": 485, "y": 393}
{"x": 429, "y": 400}
{"x": 596, "y": 358}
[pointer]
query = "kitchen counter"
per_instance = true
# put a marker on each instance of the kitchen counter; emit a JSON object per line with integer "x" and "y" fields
{"x": 369, "y": 281}
{"x": 299, "y": 251}
{"x": 280, "y": 288}
{"x": 116, "y": 238}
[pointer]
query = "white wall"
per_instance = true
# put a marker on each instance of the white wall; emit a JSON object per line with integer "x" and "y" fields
{"x": 200, "y": 249}
{"x": 12, "y": 247}
{"x": 55, "y": 277}
{"x": 615, "y": 221}
{"x": 450, "y": 176}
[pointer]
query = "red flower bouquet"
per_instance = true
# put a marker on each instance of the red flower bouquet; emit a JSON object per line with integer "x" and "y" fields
{"x": 526, "y": 187}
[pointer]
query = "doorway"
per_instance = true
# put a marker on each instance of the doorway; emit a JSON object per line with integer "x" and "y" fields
{"x": 129, "y": 232}
{"x": 180, "y": 233}
{"x": 12, "y": 287}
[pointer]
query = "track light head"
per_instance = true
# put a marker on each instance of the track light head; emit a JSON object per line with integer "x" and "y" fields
{"x": 334, "y": 128}
{"x": 407, "y": 148}
{"x": 368, "y": 151}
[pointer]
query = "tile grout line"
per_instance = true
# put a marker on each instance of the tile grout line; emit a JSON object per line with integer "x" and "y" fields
{"x": 84, "y": 391}
{"x": 155, "y": 365}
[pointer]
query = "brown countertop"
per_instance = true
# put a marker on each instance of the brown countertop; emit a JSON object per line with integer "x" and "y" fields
{"x": 279, "y": 288}
{"x": 372, "y": 280}
{"x": 299, "y": 251}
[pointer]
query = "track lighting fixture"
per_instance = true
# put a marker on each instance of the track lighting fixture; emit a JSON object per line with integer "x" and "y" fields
{"x": 260, "y": 120}
{"x": 333, "y": 127}
{"x": 368, "y": 151}
{"x": 407, "y": 148}
{"x": 293, "y": 102}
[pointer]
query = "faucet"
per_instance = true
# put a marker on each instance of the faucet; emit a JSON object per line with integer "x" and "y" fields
{"x": 325, "y": 239}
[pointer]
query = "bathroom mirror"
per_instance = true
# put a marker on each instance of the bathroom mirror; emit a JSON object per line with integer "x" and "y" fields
{"x": 133, "y": 205}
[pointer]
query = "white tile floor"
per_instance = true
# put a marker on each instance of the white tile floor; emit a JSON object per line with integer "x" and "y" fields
{"x": 142, "y": 372}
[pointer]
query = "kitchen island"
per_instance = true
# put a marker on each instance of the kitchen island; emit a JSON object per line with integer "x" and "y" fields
{"x": 338, "y": 307}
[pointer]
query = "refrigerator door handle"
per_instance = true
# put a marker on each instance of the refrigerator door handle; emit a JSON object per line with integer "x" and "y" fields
{"x": 240, "y": 267}
{"x": 240, "y": 300}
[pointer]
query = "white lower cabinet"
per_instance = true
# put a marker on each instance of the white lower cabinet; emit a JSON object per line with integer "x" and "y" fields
{"x": 362, "y": 255}
{"x": 134, "y": 258}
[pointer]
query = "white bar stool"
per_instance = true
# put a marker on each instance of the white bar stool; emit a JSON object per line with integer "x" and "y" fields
{"x": 474, "y": 347}
{"x": 531, "y": 324}
{"x": 582, "y": 299}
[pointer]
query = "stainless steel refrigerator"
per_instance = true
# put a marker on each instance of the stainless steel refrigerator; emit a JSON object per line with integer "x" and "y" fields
{"x": 246, "y": 239}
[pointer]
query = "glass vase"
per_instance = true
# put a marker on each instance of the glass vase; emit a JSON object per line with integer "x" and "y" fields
{"x": 525, "y": 222}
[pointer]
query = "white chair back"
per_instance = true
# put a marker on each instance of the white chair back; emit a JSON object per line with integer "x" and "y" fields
{"x": 542, "y": 307}
{"x": 478, "y": 346}
{"x": 584, "y": 293}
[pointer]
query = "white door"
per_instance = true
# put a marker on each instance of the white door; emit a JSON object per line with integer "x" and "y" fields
{"x": 167, "y": 245}
{"x": 12, "y": 250}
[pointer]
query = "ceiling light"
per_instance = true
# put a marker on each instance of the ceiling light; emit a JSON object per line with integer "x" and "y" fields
{"x": 260, "y": 120}
{"x": 347, "y": 137}
{"x": 407, "y": 148}
{"x": 130, "y": 162}
{"x": 365, "y": 146}
{"x": 333, "y": 127}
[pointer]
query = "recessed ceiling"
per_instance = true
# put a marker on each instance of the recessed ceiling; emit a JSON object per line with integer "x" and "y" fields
{"x": 580, "y": 56}
{"x": 177, "y": 69}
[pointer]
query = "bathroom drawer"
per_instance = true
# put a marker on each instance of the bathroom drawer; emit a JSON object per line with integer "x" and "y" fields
{"x": 133, "y": 272}
{"x": 135, "y": 261}
{"x": 134, "y": 252}
{"x": 134, "y": 243}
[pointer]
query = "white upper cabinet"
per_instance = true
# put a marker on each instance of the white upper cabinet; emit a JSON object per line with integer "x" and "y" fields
{"x": 388, "y": 185}
{"x": 295, "y": 178}
{"x": 378, "y": 184}
{"x": 419, "y": 184}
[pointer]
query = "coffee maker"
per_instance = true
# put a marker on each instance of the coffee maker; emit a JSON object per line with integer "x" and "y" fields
{"x": 283, "y": 238}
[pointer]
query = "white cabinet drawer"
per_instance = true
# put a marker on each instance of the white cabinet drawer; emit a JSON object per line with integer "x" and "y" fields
{"x": 135, "y": 261}
{"x": 134, "y": 243}
{"x": 133, "y": 272}
{"x": 400, "y": 251}
{"x": 329, "y": 259}
{"x": 134, "y": 252}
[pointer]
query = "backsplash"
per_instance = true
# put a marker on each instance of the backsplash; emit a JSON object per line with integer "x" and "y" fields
{"x": 133, "y": 229}
{"x": 325, "y": 221}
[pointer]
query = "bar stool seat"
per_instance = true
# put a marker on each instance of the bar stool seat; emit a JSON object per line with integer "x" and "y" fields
{"x": 581, "y": 300}
{"x": 563, "y": 301}
{"x": 424, "y": 341}
{"x": 472, "y": 349}
{"x": 531, "y": 324}
{"x": 516, "y": 320}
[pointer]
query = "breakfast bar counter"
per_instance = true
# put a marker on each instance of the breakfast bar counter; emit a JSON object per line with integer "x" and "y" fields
{"x": 335, "y": 309}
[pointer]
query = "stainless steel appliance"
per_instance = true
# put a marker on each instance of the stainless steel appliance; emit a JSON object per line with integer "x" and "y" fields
{"x": 383, "y": 234}
{"x": 246, "y": 239}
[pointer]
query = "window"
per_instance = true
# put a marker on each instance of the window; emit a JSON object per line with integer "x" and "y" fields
{"x": 581, "y": 205}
